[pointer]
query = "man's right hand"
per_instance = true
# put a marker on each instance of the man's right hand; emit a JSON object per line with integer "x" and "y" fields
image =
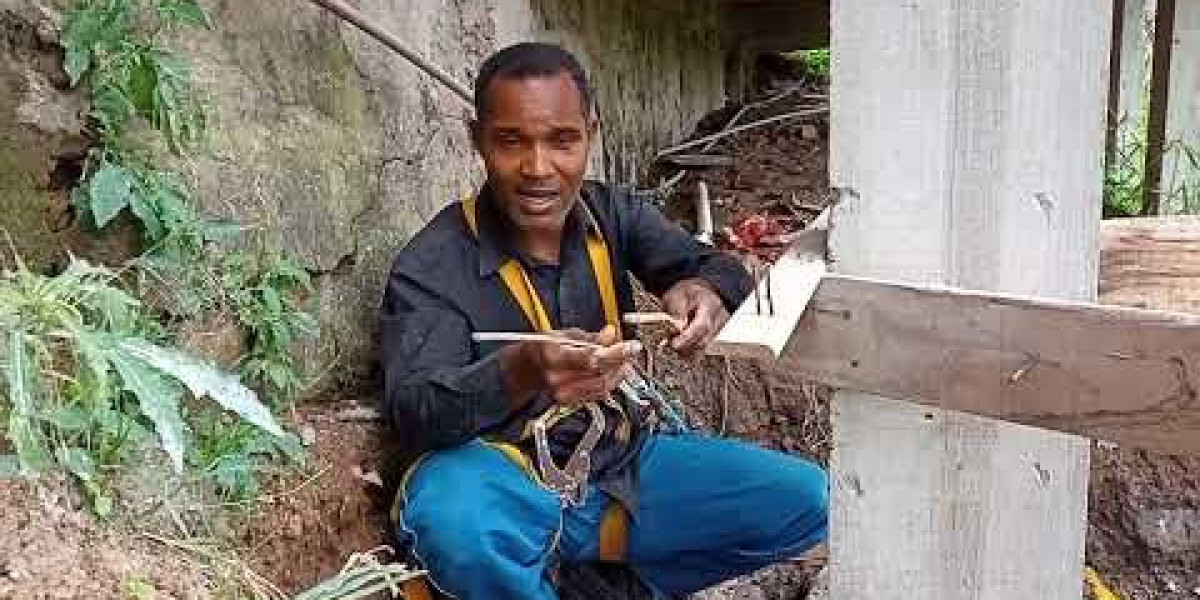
{"x": 572, "y": 375}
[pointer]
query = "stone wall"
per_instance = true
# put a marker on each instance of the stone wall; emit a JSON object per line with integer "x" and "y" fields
{"x": 340, "y": 150}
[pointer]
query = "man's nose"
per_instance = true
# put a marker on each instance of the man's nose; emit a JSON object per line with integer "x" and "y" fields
{"x": 536, "y": 163}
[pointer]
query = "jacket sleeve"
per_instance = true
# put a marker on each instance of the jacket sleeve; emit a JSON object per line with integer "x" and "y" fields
{"x": 661, "y": 254}
{"x": 434, "y": 386}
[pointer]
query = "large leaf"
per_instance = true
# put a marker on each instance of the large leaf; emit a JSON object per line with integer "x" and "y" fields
{"x": 78, "y": 462}
{"x": 203, "y": 379}
{"x": 109, "y": 191}
{"x": 22, "y": 427}
{"x": 158, "y": 397}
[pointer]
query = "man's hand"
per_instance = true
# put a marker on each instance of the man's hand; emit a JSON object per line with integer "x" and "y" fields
{"x": 572, "y": 375}
{"x": 701, "y": 310}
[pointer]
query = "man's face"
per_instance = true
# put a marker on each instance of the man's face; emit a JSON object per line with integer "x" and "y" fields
{"x": 534, "y": 142}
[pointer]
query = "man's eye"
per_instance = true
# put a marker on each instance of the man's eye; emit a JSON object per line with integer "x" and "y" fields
{"x": 509, "y": 140}
{"x": 566, "y": 139}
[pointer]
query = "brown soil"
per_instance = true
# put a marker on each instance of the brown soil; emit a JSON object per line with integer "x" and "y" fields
{"x": 312, "y": 521}
{"x": 51, "y": 548}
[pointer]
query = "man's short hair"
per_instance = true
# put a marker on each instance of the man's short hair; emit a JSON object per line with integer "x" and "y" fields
{"x": 526, "y": 61}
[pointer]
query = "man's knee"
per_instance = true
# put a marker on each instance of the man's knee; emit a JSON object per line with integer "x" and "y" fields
{"x": 794, "y": 507}
{"x": 471, "y": 508}
{"x": 804, "y": 490}
{"x": 446, "y": 536}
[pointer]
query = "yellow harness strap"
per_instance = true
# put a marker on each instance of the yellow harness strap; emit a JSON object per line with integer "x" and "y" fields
{"x": 521, "y": 287}
{"x": 614, "y": 528}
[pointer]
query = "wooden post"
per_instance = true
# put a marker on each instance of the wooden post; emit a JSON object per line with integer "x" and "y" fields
{"x": 1160, "y": 87}
{"x": 1134, "y": 62}
{"x": 967, "y": 149}
{"x": 1183, "y": 110}
{"x": 1129, "y": 52}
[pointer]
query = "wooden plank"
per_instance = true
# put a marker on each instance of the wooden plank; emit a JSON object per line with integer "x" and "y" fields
{"x": 1151, "y": 262}
{"x": 754, "y": 333}
{"x": 1114, "y": 373}
{"x": 1183, "y": 113}
{"x": 967, "y": 149}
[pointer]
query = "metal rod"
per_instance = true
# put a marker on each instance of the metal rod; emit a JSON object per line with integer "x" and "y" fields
{"x": 354, "y": 17}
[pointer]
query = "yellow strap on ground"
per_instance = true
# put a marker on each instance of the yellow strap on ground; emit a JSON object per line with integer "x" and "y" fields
{"x": 416, "y": 589}
{"x": 1100, "y": 591}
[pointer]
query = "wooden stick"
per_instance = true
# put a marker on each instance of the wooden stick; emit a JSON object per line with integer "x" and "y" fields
{"x": 548, "y": 338}
{"x": 354, "y": 17}
{"x": 722, "y": 134}
{"x": 645, "y": 318}
{"x": 704, "y": 218}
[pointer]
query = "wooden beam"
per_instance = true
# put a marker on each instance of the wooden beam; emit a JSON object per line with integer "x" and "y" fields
{"x": 1151, "y": 262}
{"x": 752, "y": 331}
{"x": 1121, "y": 374}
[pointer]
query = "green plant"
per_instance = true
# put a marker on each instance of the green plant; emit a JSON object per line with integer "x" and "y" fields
{"x": 138, "y": 587}
{"x": 363, "y": 576}
{"x": 234, "y": 453}
{"x": 266, "y": 299}
{"x": 1181, "y": 183}
{"x": 132, "y": 77}
{"x": 136, "y": 83}
{"x": 86, "y": 381}
{"x": 1124, "y": 178}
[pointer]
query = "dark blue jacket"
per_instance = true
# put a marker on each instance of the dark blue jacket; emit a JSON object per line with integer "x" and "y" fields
{"x": 443, "y": 389}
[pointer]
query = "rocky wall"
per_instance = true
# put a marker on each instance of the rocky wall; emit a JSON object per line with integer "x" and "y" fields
{"x": 336, "y": 148}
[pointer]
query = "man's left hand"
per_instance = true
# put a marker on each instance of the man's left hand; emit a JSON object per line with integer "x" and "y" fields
{"x": 694, "y": 303}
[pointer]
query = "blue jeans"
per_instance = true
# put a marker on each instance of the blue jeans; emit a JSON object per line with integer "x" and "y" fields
{"x": 710, "y": 509}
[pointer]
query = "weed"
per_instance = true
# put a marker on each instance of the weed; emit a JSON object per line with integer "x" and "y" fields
{"x": 85, "y": 382}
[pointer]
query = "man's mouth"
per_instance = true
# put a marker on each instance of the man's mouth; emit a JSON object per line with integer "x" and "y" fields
{"x": 537, "y": 201}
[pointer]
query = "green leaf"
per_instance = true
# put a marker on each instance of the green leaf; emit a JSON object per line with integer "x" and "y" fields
{"x": 184, "y": 12}
{"x": 10, "y": 466}
{"x": 78, "y": 462}
{"x": 102, "y": 502}
{"x": 158, "y": 397}
{"x": 26, "y": 439}
{"x": 292, "y": 447}
{"x": 272, "y": 300}
{"x": 203, "y": 379}
{"x": 76, "y": 62}
{"x": 70, "y": 418}
{"x": 109, "y": 191}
